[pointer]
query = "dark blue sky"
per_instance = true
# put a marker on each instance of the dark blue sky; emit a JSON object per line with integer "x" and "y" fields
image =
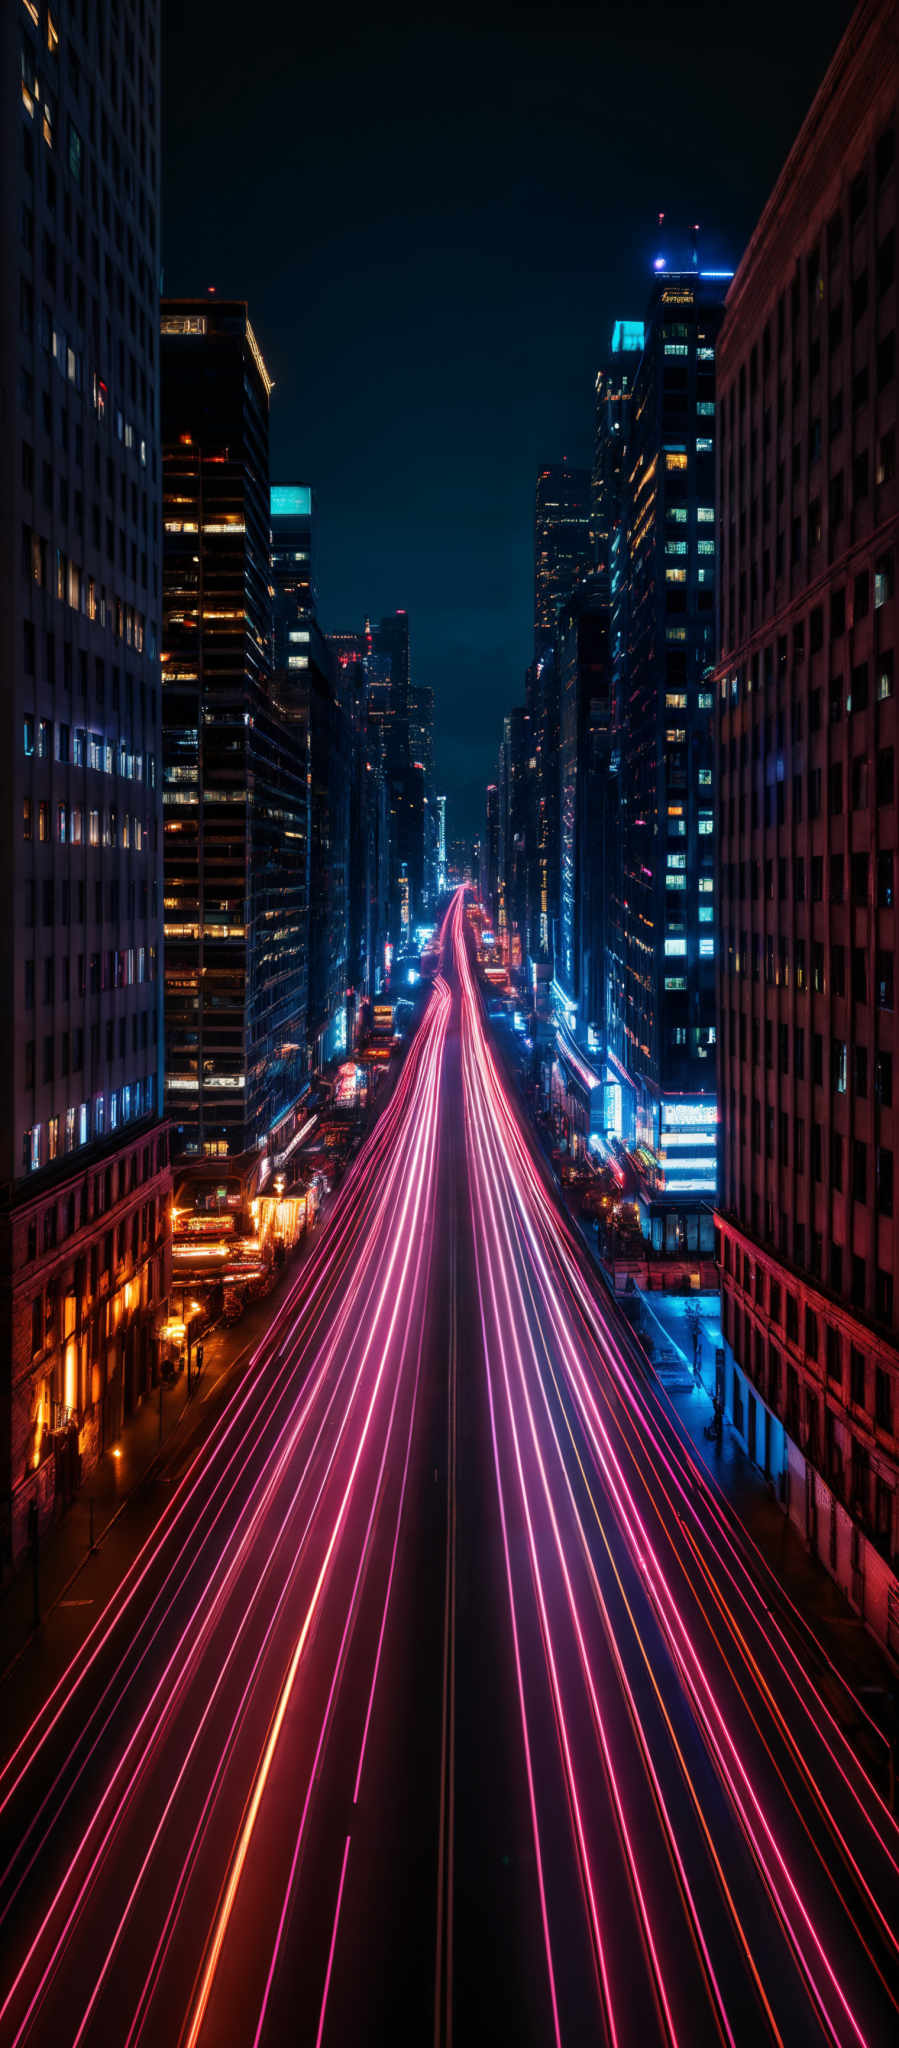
{"x": 435, "y": 222}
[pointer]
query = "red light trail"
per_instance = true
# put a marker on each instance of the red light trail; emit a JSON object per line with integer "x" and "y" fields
{"x": 193, "y": 1815}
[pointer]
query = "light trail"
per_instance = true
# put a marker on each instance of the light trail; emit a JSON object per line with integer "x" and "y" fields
{"x": 373, "y": 1257}
{"x": 193, "y": 1814}
{"x": 546, "y": 1339}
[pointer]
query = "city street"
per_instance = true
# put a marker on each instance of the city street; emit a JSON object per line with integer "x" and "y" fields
{"x": 447, "y": 1699}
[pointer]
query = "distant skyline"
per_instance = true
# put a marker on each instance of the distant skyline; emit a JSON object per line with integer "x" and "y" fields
{"x": 435, "y": 223}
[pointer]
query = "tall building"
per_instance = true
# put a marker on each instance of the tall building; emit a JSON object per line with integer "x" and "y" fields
{"x": 293, "y": 590}
{"x": 585, "y": 734}
{"x": 236, "y": 797}
{"x": 661, "y": 1021}
{"x": 441, "y": 844}
{"x": 514, "y": 796}
{"x": 562, "y": 544}
{"x": 543, "y": 705}
{"x": 490, "y": 855}
{"x": 807, "y": 746}
{"x": 325, "y": 695}
{"x": 390, "y": 640}
{"x": 85, "y": 1180}
{"x": 368, "y": 879}
{"x": 614, "y": 389}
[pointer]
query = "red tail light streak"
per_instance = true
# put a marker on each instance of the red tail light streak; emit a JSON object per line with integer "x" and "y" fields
{"x": 185, "y": 1817}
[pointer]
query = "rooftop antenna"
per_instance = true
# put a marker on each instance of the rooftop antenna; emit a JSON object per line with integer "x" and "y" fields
{"x": 695, "y": 249}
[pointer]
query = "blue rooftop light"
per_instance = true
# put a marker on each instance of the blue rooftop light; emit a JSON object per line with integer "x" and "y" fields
{"x": 291, "y": 501}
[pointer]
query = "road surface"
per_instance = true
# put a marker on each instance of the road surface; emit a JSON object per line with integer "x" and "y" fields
{"x": 446, "y": 1700}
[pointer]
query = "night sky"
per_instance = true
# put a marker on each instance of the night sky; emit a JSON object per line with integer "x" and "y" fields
{"x": 435, "y": 221}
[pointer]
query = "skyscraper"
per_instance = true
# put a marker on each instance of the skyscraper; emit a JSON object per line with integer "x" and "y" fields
{"x": 236, "y": 800}
{"x": 390, "y": 640}
{"x": 83, "y": 1222}
{"x": 807, "y": 746}
{"x": 585, "y": 735}
{"x": 562, "y": 544}
{"x": 614, "y": 390}
{"x": 490, "y": 855}
{"x": 662, "y": 994}
{"x": 293, "y": 602}
{"x": 441, "y": 844}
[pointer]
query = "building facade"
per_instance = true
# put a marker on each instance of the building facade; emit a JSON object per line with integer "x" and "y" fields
{"x": 586, "y": 822}
{"x": 236, "y": 789}
{"x": 614, "y": 388}
{"x": 807, "y": 753}
{"x": 661, "y": 999}
{"x": 85, "y": 1179}
{"x": 562, "y": 543}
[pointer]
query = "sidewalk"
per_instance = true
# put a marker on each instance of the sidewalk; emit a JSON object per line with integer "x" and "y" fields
{"x": 126, "y": 1469}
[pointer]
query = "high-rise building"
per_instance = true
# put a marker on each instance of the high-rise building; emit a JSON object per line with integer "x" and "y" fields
{"x": 293, "y": 599}
{"x": 661, "y": 1020}
{"x": 585, "y": 733}
{"x": 85, "y": 1180}
{"x": 236, "y": 797}
{"x": 369, "y": 880}
{"x": 562, "y": 544}
{"x": 515, "y": 794}
{"x": 441, "y": 844}
{"x": 543, "y": 710}
{"x": 325, "y": 693}
{"x": 490, "y": 855}
{"x": 807, "y": 747}
{"x": 614, "y": 389}
{"x": 390, "y": 640}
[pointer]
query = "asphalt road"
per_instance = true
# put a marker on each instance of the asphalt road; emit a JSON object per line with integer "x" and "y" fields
{"x": 446, "y": 1700}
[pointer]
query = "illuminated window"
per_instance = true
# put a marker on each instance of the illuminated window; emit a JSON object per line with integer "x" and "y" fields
{"x": 676, "y": 700}
{"x": 676, "y": 348}
{"x": 674, "y": 460}
{"x": 705, "y": 700}
{"x": 677, "y": 860}
{"x": 706, "y": 913}
{"x": 675, "y": 633}
{"x": 677, "y": 513}
{"x": 675, "y": 881}
{"x": 705, "y": 823}
{"x": 704, "y": 445}
{"x": 675, "y": 575}
{"x": 705, "y": 406}
{"x": 706, "y": 949}
{"x": 675, "y": 981}
{"x": 705, "y": 547}
{"x": 705, "y": 778}
{"x": 706, "y": 885}
{"x": 675, "y": 735}
{"x": 706, "y": 515}
{"x": 675, "y": 547}
{"x": 675, "y": 947}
